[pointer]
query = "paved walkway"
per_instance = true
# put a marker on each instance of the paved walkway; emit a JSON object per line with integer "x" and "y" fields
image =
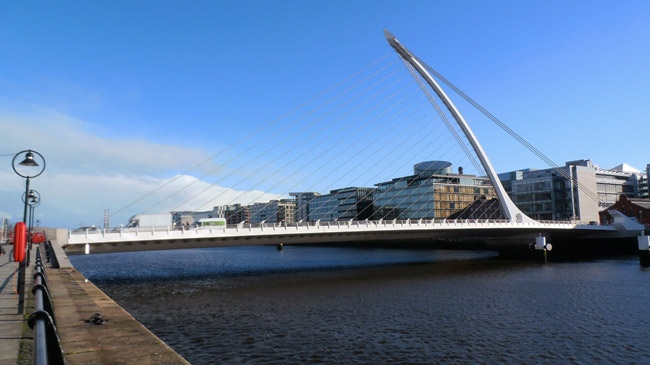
{"x": 121, "y": 340}
{"x": 11, "y": 323}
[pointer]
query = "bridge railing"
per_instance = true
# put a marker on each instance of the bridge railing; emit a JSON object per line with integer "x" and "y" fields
{"x": 147, "y": 233}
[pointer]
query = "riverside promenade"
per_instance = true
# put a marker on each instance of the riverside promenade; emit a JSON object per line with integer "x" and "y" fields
{"x": 119, "y": 340}
{"x": 11, "y": 323}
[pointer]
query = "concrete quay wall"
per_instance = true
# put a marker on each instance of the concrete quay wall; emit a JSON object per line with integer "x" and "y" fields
{"x": 120, "y": 340}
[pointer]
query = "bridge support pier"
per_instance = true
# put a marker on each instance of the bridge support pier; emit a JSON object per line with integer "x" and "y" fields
{"x": 541, "y": 249}
{"x": 644, "y": 250}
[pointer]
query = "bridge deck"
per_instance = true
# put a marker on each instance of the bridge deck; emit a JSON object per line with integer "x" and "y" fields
{"x": 305, "y": 233}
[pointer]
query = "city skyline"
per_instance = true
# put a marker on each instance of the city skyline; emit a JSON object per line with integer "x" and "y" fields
{"x": 119, "y": 102}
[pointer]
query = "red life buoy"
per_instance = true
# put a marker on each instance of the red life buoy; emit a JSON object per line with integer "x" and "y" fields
{"x": 20, "y": 236}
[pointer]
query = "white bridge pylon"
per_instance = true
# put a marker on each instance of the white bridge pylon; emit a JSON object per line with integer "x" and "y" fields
{"x": 509, "y": 209}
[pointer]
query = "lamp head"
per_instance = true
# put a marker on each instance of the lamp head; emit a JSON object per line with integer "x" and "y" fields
{"x": 29, "y": 160}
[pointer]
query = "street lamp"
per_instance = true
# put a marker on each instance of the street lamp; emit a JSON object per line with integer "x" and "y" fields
{"x": 32, "y": 170}
{"x": 28, "y": 168}
{"x": 33, "y": 200}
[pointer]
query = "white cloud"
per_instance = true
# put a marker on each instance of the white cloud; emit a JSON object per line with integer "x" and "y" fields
{"x": 73, "y": 146}
{"x": 87, "y": 173}
{"x": 68, "y": 199}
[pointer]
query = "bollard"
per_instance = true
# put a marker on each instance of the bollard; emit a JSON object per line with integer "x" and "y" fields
{"x": 644, "y": 250}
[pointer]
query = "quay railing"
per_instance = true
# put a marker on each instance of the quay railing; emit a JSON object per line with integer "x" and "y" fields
{"x": 47, "y": 344}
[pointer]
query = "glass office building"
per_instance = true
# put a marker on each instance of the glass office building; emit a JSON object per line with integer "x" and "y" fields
{"x": 342, "y": 204}
{"x": 302, "y": 204}
{"x": 433, "y": 191}
{"x": 549, "y": 195}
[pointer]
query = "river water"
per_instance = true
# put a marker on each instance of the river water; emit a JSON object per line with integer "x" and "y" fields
{"x": 361, "y": 305}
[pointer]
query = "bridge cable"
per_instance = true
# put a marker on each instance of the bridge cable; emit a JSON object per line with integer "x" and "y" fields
{"x": 450, "y": 126}
{"x": 512, "y": 133}
{"x": 407, "y": 196}
{"x": 447, "y": 123}
{"x": 300, "y": 131}
{"x": 335, "y": 196}
{"x": 474, "y": 186}
{"x": 341, "y": 152}
{"x": 253, "y": 133}
{"x": 395, "y": 172}
{"x": 378, "y": 159}
{"x": 327, "y": 138}
{"x": 382, "y": 194}
{"x": 268, "y": 138}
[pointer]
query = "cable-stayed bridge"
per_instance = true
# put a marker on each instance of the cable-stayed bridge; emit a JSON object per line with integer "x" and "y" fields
{"x": 497, "y": 234}
{"x": 359, "y": 132}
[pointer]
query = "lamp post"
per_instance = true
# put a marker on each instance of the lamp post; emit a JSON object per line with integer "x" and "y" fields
{"x": 33, "y": 200}
{"x": 28, "y": 168}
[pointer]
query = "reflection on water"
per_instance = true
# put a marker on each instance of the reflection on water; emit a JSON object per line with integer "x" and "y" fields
{"x": 342, "y": 305}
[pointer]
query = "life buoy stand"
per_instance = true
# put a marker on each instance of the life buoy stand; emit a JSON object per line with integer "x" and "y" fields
{"x": 20, "y": 236}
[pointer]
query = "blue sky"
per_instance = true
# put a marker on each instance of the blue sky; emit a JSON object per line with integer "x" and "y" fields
{"x": 121, "y": 96}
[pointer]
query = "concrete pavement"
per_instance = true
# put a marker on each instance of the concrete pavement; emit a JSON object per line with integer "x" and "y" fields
{"x": 11, "y": 323}
{"x": 121, "y": 340}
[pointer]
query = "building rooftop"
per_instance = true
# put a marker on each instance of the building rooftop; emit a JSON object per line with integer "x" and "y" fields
{"x": 643, "y": 203}
{"x": 625, "y": 168}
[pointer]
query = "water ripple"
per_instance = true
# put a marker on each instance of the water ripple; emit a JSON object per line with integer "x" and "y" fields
{"x": 334, "y": 305}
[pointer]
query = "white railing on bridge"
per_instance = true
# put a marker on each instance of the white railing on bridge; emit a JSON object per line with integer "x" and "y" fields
{"x": 242, "y": 230}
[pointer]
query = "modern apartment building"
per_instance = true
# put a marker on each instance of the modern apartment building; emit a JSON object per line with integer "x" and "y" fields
{"x": 236, "y": 214}
{"x": 275, "y": 211}
{"x": 302, "y": 205}
{"x": 433, "y": 191}
{"x": 644, "y": 184}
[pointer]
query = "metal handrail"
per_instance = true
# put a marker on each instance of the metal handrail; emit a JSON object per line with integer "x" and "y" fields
{"x": 47, "y": 344}
{"x": 367, "y": 223}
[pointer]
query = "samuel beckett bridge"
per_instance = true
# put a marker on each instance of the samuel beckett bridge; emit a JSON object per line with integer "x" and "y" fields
{"x": 360, "y": 132}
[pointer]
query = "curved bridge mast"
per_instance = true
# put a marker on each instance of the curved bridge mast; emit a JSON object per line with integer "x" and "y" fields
{"x": 509, "y": 208}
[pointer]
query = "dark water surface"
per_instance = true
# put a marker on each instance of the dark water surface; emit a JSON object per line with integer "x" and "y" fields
{"x": 347, "y": 305}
